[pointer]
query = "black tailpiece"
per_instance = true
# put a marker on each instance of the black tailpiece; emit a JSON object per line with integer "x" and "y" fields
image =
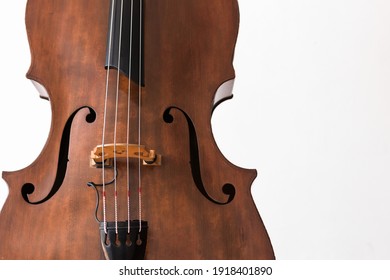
{"x": 124, "y": 245}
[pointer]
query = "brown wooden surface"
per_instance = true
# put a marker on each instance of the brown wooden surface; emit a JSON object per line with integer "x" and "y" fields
{"x": 189, "y": 47}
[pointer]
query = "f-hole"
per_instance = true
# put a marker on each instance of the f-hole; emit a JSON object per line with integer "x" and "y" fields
{"x": 28, "y": 188}
{"x": 227, "y": 189}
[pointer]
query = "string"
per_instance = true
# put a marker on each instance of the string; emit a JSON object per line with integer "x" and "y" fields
{"x": 139, "y": 116}
{"x": 105, "y": 119}
{"x": 116, "y": 119}
{"x": 128, "y": 118}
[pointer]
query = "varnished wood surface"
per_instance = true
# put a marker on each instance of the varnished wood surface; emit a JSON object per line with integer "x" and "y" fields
{"x": 189, "y": 47}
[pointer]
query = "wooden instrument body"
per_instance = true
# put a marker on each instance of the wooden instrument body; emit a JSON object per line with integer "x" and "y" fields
{"x": 188, "y": 53}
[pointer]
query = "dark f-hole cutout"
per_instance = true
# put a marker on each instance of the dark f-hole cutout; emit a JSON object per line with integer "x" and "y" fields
{"x": 28, "y": 188}
{"x": 227, "y": 189}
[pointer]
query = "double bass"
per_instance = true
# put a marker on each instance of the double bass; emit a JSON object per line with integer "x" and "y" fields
{"x": 130, "y": 169}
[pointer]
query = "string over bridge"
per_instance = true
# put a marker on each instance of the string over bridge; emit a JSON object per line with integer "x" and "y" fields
{"x": 111, "y": 151}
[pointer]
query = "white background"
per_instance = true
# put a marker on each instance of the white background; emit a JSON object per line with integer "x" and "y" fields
{"x": 310, "y": 113}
